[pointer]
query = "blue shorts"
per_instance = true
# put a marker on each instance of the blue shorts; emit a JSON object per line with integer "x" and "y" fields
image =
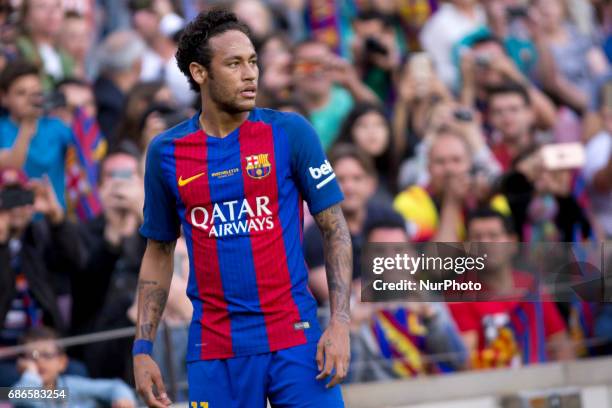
{"x": 285, "y": 377}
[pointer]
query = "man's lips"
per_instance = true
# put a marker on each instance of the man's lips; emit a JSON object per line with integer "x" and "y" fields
{"x": 249, "y": 92}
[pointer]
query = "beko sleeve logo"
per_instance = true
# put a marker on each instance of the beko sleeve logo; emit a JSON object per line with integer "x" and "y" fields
{"x": 322, "y": 171}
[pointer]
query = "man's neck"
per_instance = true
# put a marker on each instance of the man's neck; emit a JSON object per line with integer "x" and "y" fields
{"x": 516, "y": 145}
{"x": 124, "y": 81}
{"x": 499, "y": 280}
{"x": 164, "y": 48}
{"x": 220, "y": 123}
{"x": 40, "y": 39}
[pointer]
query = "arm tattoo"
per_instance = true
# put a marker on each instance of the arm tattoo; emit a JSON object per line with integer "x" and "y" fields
{"x": 338, "y": 260}
{"x": 154, "y": 304}
{"x": 152, "y": 295}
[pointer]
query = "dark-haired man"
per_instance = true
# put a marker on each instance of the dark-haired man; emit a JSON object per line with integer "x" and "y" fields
{"x": 512, "y": 332}
{"x": 234, "y": 177}
{"x": 512, "y": 117}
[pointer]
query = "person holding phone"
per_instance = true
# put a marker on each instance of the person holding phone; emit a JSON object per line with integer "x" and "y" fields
{"x": 29, "y": 140}
{"x": 32, "y": 255}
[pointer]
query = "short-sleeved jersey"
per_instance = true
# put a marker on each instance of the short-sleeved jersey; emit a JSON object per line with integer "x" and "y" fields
{"x": 239, "y": 200}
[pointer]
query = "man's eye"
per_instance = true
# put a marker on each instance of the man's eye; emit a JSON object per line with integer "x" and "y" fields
{"x": 233, "y": 64}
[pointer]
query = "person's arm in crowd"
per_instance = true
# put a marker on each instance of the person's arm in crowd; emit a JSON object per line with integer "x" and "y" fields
{"x": 443, "y": 337}
{"x": 332, "y": 353}
{"x": 65, "y": 250}
{"x": 153, "y": 286}
{"x": 602, "y": 180}
{"x": 543, "y": 107}
{"x": 467, "y": 94}
{"x": 30, "y": 378}
{"x": 345, "y": 75}
{"x": 114, "y": 393}
{"x": 15, "y": 156}
{"x": 560, "y": 347}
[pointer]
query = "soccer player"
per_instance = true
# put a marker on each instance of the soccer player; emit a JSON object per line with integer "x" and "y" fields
{"x": 234, "y": 177}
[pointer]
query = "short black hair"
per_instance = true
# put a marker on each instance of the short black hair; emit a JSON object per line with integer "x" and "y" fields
{"x": 369, "y": 15}
{"x": 73, "y": 81}
{"x": 509, "y": 88}
{"x": 383, "y": 217}
{"x": 488, "y": 212}
{"x": 193, "y": 46}
{"x": 41, "y": 333}
{"x": 349, "y": 151}
{"x": 15, "y": 70}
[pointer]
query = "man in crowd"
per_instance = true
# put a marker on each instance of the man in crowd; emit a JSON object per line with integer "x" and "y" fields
{"x": 328, "y": 86}
{"x": 33, "y": 256}
{"x": 515, "y": 331}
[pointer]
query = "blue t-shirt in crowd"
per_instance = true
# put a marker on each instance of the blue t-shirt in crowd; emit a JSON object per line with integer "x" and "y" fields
{"x": 47, "y": 151}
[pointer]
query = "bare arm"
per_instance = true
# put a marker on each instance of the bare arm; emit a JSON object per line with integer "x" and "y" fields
{"x": 333, "y": 350}
{"x": 338, "y": 260}
{"x": 153, "y": 286}
{"x": 15, "y": 156}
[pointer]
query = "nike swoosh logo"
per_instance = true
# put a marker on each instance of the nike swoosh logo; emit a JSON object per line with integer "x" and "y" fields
{"x": 183, "y": 183}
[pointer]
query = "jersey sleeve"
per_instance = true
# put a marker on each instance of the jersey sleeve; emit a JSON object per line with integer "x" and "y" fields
{"x": 161, "y": 221}
{"x": 310, "y": 168}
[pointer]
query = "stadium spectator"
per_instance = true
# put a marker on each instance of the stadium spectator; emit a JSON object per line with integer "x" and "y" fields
{"x": 376, "y": 53}
{"x": 102, "y": 296}
{"x": 275, "y": 75}
{"x": 436, "y": 212}
{"x": 485, "y": 64}
{"x": 34, "y": 255}
{"x": 29, "y": 139}
{"x": 120, "y": 63}
{"x": 328, "y": 86}
{"x": 42, "y": 365}
{"x": 598, "y": 166}
{"x": 449, "y": 24}
{"x": 41, "y": 23}
{"x": 568, "y": 61}
{"x": 398, "y": 339}
{"x": 420, "y": 90}
{"x": 511, "y": 117}
{"x": 76, "y": 40}
{"x": 513, "y": 332}
{"x": 158, "y": 25}
{"x": 367, "y": 127}
{"x": 257, "y": 16}
{"x": 138, "y": 101}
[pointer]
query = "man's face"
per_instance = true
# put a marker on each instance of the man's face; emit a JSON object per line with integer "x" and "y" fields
{"x": 20, "y": 217}
{"x": 75, "y": 38}
{"x": 496, "y": 239}
{"x": 310, "y": 74}
{"x": 23, "y": 96}
{"x": 356, "y": 185}
{"x": 45, "y": 16}
{"x": 233, "y": 74}
{"x": 484, "y": 74}
{"x": 50, "y": 361}
{"x": 146, "y": 22}
{"x": 78, "y": 96}
{"x": 510, "y": 115}
{"x": 448, "y": 157}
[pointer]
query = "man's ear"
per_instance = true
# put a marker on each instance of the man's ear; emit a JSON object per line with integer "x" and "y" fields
{"x": 198, "y": 72}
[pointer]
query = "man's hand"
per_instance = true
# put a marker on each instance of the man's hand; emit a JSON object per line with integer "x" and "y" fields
{"x": 45, "y": 201}
{"x": 334, "y": 351}
{"x": 26, "y": 364}
{"x": 146, "y": 374}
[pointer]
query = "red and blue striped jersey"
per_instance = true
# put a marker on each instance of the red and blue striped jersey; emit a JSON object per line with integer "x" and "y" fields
{"x": 239, "y": 201}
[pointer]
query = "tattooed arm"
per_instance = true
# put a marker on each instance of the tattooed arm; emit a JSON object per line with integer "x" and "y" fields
{"x": 333, "y": 350}
{"x": 153, "y": 287}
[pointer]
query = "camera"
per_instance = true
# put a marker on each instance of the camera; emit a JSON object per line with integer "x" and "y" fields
{"x": 463, "y": 115}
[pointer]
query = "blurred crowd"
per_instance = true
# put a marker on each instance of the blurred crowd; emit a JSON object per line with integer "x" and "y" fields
{"x": 450, "y": 121}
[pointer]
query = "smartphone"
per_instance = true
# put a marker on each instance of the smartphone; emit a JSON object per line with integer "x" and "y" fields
{"x": 563, "y": 156}
{"x": 373, "y": 46}
{"x": 122, "y": 174}
{"x": 482, "y": 60}
{"x": 15, "y": 196}
{"x": 516, "y": 12}
{"x": 463, "y": 115}
{"x": 420, "y": 67}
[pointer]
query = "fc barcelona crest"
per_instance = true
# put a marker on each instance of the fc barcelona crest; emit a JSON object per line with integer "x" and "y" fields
{"x": 258, "y": 166}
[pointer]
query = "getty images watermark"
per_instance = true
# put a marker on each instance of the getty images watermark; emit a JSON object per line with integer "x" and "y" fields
{"x": 422, "y": 263}
{"x": 456, "y": 272}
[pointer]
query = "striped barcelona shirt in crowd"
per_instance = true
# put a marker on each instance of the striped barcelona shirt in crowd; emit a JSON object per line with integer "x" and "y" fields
{"x": 239, "y": 200}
